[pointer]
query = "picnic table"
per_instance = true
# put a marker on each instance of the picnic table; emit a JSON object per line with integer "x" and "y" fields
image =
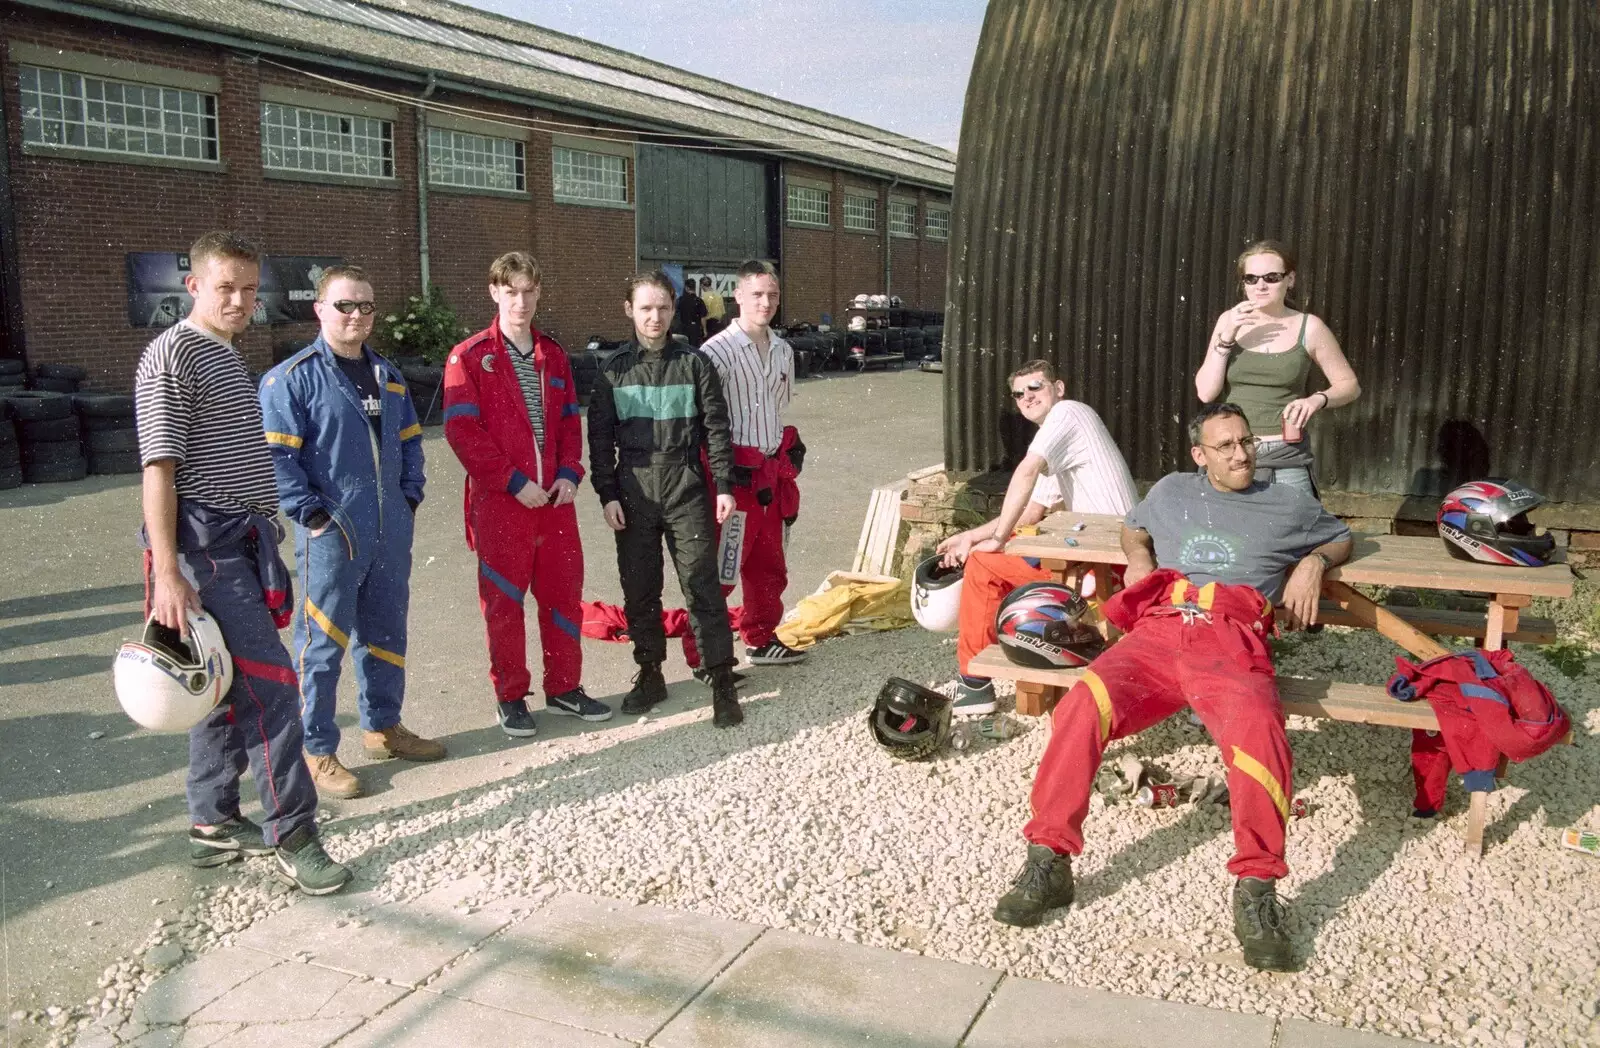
{"x": 1413, "y": 562}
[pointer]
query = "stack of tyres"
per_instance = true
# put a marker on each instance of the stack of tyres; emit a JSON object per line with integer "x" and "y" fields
{"x": 426, "y": 382}
{"x": 13, "y": 375}
{"x": 57, "y": 378}
{"x": 50, "y": 437}
{"x": 10, "y": 455}
{"x": 110, "y": 441}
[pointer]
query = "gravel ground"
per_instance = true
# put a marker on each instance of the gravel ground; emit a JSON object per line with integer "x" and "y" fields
{"x": 796, "y": 821}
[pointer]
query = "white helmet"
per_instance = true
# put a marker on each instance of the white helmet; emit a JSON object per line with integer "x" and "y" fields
{"x": 861, "y": 301}
{"x": 936, "y": 596}
{"x": 858, "y": 323}
{"x": 169, "y": 683}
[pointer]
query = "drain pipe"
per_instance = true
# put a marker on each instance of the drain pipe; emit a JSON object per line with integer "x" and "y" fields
{"x": 888, "y": 240}
{"x": 422, "y": 181}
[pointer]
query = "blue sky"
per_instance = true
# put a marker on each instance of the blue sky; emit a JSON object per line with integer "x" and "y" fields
{"x": 895, "y": 64}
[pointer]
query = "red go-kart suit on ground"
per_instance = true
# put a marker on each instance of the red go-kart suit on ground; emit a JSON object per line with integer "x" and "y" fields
{"x": 486, "y": 422}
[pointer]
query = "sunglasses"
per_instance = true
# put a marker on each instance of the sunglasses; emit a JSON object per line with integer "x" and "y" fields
{"x": 1270, "y": 278}
{"x": 346, "y": 306}
{"x": 1033, "y": 387}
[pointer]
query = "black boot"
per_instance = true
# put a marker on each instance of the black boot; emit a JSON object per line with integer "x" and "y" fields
{"x": 649, "y": 689}
{"x": 1258, "y": 921}
{"x": 725, "y": 711}
{"x": 1044, "y": 883}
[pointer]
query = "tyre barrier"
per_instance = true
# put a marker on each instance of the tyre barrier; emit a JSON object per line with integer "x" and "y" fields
{"x": 109, "y": 438}
{"x": 36, "y": 405}
{"x": 53, "y": 461}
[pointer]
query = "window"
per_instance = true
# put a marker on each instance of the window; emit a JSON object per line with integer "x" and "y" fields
{"x": 809, "y": 206}
{"x": 113, "y": 116}
{"x": 938, "y": 227}
{"x": 582, "y": 177}
{"x": 459, "y": 158}
{"x": 860, "y": 213}
{"x": 902, "y": 218}
{"x": 311, "y": 140}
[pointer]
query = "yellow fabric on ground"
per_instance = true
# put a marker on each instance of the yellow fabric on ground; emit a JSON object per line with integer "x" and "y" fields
{"x": 848, "y": 602}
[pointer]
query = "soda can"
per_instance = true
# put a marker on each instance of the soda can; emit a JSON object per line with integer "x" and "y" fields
{"x": 1157, "y": 795}
{"x": 1292, "y": 434}
{"x": 1586, "y": 841}
{"x": 1299, "y": 809}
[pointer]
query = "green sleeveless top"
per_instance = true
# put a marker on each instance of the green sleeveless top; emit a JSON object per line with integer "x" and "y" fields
{"x": 1263, "y": 384}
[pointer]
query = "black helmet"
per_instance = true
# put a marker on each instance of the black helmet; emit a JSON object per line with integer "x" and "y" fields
{"x": 1487, "y": 520}
{"x": 910, "y": 721}
{"x": 1046, "y": 625}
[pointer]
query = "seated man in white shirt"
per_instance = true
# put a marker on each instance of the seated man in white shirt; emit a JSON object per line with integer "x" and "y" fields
{"x": 1073, "y": 450}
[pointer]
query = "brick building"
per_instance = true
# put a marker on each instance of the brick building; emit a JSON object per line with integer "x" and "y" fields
{"x": 419, "y": 139}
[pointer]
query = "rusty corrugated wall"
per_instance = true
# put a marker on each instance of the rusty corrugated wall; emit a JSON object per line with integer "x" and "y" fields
{"x": 1434, "y": 163}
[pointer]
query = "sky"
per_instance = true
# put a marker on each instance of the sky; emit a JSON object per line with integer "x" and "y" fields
{"x": 896, "y": 64}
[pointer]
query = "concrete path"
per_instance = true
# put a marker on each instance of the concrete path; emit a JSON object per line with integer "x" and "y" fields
{"x": 575, "y": 971}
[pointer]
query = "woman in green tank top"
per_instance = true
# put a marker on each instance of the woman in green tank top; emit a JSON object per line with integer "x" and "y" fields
{"x": 1260, "y": 356}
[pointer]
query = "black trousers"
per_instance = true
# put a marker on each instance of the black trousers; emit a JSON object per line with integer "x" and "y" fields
{"x": 669, "y": 501}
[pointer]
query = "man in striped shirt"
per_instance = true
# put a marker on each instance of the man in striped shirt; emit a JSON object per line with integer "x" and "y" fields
{"x": 211, "y": 531}
{"x": 1072, "y": 448}
{"x": 757, "y": 372}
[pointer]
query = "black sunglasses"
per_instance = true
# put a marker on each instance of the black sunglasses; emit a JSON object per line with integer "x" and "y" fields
{"x": 1033, "y": 387}
{"x": 1271, "y": 278}
{"x": 346, "y": 306}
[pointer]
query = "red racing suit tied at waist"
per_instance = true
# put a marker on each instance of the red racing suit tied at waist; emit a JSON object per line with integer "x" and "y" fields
{"x": 1166, "y": 592}
{"x": 773, "y": 478}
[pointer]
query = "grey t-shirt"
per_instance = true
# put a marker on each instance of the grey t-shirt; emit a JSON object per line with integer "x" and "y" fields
{"x": 1252, "y": 537}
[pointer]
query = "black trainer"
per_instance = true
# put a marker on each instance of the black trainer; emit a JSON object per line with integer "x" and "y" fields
{"x": 577, "y": 703}
{"x": 1044, "y": 883}
{"x": 774, "y": 653}
{"x": 225, "y": 843}
{"x": 704, "y": 676}
{"x": 649, "y": 689}
{"x": 1258, "y": 921}
{"x": 725, "y": 711}
{"x": 515, "y": 719}
{"x": 303, "y": 863}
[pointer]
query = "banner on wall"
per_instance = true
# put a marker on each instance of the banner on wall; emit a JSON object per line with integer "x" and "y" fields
{"x": 157, "y": 297}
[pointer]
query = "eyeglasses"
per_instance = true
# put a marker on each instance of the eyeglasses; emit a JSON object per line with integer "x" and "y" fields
{"x": 346, "y": 306}
{"x": 1270, "y": 278}
{"x": 1226, "y": 449}
{"x": 1033, "y": 387}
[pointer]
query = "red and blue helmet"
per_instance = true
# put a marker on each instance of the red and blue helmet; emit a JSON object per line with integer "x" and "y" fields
{"x": 1487, "y": 520}
{"x": 1046, "y": 625}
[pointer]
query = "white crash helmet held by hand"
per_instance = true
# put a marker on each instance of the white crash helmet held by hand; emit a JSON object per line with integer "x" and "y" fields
{"x": 936, "y": 595}
{"x": 169, "y": 683}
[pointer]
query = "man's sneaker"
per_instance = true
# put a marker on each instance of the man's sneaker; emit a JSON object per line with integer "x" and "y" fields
{"x": 1044, "y": 883}
{"x": 576, "y": 703}
{"x": 1258, "y": 921}
{"x": 225, "y": 843}
{"x": 974, "y": 701}
{"x": 649, "y": 689}
{"x": 516, "y": 721}
{"x": 725, "y": 711}
{"x": 774, "y": 653}
{"x": 332, "y": 779}
{"x": 399, "y": 741}
{"x": 303, "y": 863}
{"x": 704, "y": 676}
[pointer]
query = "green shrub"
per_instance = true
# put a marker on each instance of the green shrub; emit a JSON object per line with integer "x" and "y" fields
{"x": 427, "y": 327}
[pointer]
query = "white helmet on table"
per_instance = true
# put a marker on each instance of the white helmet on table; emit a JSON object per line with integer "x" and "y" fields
{"x": 169, "y": 683}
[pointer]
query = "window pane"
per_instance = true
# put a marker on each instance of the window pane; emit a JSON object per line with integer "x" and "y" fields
{"x": 590, "y": 177}
{"x": 111, "y": 115}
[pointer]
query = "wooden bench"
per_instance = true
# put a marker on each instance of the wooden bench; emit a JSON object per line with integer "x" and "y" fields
{"x": 1073, "y": 545}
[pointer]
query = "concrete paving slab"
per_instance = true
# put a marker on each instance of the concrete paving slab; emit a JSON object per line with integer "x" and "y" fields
{"x": 313, "y": 1033}
{"x": 194, "y": 1036}
{"x": 599, "y": 964}
{"x": 1297, "y": 1033}
{"x": 428, "y": 1020}
{"x": 794, "y": 991}
{"x": 363, "y": 997}
{"x": 1029, "y": 1014}
{"x": 176, "y": 996}
{"x": 285, "y": 992}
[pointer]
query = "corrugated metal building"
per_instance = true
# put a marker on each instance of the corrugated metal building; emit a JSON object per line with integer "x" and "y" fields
{"x": 1435, "y": 164}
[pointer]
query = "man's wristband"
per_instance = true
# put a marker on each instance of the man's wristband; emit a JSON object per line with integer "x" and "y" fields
{"x": 1324, "y": 396}
{"x": 1326, "y": 563}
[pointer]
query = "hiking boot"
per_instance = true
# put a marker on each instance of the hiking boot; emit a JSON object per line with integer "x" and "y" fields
{"x": 399, "y": 741}
{"x": 706, "y": 677}
{"x": 774, "y": 653}
{"x": 576, "y": 703}
{"x": 225, "y": 843}
{"x": 515, "y": 720}
{"x": 332, "y": 779}
{"x": 974, "y": 700}
{"x": 725, "y": 711}
{"x": 1258, "y": 921}
{"x": 1044, "y": 883}
{"x": 303, "y": 863}
{"x": 649, "y": 689}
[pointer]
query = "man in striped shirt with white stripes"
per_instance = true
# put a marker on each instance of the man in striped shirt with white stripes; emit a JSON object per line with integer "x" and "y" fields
{"x": 211, "y": 531}
{"x": 757, "y": 372}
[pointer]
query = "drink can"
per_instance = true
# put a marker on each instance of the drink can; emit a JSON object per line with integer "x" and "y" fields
{"x": 1157, "y": 795}
{"x": 1586, "y": 841}
{"x": 1299, "y": 809}
{"x": 1292, "y": 434}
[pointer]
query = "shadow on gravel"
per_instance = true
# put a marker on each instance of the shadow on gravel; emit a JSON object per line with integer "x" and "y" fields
{"x": 72, "y": 600}
{"x": 55, "y": 667}
{"x": 52, "y": 631}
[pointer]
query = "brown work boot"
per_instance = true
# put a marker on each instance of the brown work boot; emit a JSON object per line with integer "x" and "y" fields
{"x": 332, "y": 779}
{"x": 400, "y": 741}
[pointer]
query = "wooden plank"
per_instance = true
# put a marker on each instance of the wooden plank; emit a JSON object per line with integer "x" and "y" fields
{"x": 1477, "y": 816}
{"x": 1446, "y": 622}
{"x": 1387, "y": 622}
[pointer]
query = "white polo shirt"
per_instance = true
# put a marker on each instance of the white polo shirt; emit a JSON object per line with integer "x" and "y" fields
{"x": 757, "y": 391}
{"x": 1083, "y": 459}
